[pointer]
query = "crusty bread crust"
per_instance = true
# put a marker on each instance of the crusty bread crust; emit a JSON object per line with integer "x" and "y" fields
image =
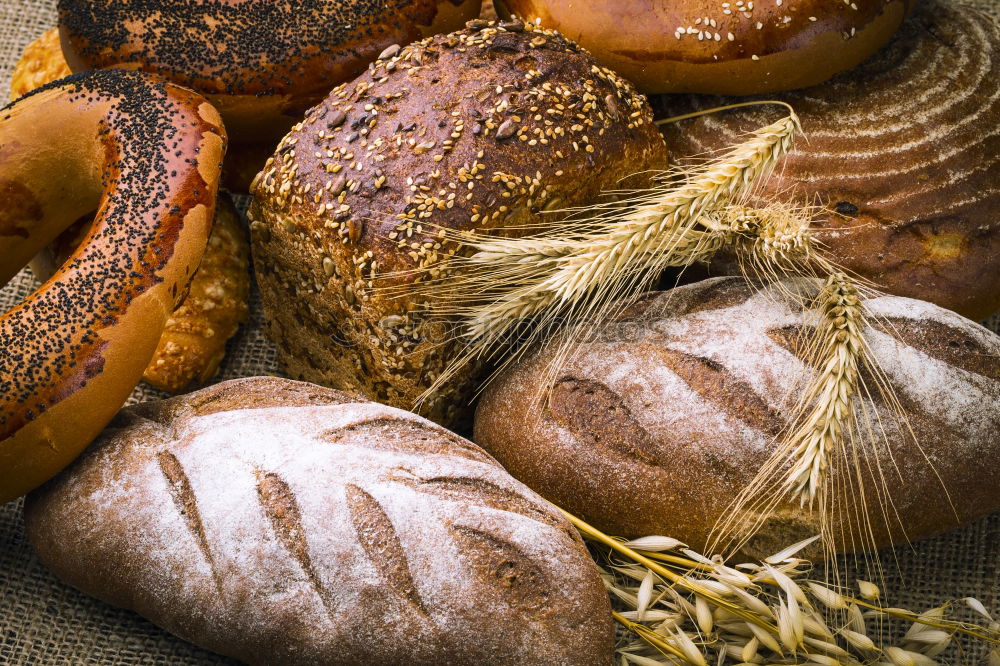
{"x": 903, "y": 153}
{"x": 657, "y": 425}
{"x": 283, "y": 523}
{"x": 737, "y": 48}
{"x": 493, "y": 126}
{"x": 262, "y": 63}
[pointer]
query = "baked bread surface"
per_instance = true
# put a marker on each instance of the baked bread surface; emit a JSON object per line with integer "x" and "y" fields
{"x": 738, "y": 48}
{"x": 262, "y": 63}
{"x": 494, "y": 126}
{"x": 658, "y": 424}
{"x": 903, "y": 153}
{"x": 284, "y": 523}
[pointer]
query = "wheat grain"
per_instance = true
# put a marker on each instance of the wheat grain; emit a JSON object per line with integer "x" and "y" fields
{"x": 869, "y": 590}
{"x": 654, "y": 543}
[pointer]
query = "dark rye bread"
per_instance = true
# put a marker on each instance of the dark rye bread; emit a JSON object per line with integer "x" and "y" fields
{"x": 656, "y": 426}
{"x": 284, "y": 523}
{"x": 903, "y": 152}
{"x": 483, "y": 128}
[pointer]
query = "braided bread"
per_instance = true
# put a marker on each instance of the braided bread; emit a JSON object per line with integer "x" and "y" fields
{"x": 145, "y": 154}
{"x": 194, "y": 341}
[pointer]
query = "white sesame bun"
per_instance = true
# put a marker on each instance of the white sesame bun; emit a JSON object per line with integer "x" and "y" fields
{"x": 729, "y": 47}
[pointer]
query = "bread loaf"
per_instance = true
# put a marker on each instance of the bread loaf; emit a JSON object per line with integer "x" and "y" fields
{"x": 661, "y": 421}
{"x": 145, "y": 154}
{"x": 262, "y": 63}
{"x": 484, "y": 128}
{"x": 903, "y": 153}
{"x": 738, "y": 48}
{"x": 193, "y": 342}
{"x": 283, "y": 523}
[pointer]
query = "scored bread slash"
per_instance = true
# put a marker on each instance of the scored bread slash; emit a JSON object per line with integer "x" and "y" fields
{"x": 303, "y": 525}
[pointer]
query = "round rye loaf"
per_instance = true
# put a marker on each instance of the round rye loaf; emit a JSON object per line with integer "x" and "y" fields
{"x": 902, "y": 153}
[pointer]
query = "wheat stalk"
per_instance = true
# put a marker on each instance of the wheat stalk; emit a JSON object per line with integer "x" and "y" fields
{"x": 829, "y": 427}
{"x": 832, "y": 393}
{"x": 636, "y": 241}
{"x": 698, "y": 610}
{"x": 576, "y": 272}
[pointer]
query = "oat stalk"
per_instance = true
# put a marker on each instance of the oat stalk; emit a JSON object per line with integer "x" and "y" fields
{"x": 700, "y": 610}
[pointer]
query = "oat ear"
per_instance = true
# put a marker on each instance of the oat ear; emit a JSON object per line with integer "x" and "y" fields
{"x": 691, "y": 609}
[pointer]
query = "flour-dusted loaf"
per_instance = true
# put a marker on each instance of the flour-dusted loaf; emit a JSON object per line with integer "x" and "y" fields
{"x": 497, "y": 125}
{"x": 657, "y": 424}
{"x": 283, "y": 523}
{"x": 903, "y": 152}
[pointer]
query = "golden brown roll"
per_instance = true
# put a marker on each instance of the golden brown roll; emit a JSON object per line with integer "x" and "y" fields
{"x": 903, "y": 153}
{"x": 42, "y": 62}
{"x": 740, "y": 47}
{"x": 261, "y": 62}
{"x": 146, "y": 155}
{"x": 486, "y": 127}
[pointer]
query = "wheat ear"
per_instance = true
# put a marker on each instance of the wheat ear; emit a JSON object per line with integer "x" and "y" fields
{"x": 637, "y": 241}
{"x": 824, "y": 458}
{"x": 832, "y": 393}
{"x": 577, "y": 271}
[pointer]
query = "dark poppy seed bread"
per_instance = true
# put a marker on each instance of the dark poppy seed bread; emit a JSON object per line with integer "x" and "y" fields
{"x": 261, "y": 62}
{"x": 282, "y": 523}
{"x": 903, "y": 153}
{"x": 658, "y": 424}
{"x": 487, "y": 127}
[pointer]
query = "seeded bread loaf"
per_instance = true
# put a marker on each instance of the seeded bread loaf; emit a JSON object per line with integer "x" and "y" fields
{"x": 661, "y": 421}
{"x": 738, "y": 48}
{"x": 487, "y": 127}
{"x": 283, "y": 523}
{"x": 903, "y": 153}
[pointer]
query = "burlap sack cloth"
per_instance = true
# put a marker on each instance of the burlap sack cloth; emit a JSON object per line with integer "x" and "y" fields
{"x": 43, "y": 621}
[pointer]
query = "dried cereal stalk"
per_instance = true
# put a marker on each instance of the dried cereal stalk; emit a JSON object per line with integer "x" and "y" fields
{"x": 828, "y": 404}
{"x": 829, "y": 428}
{"x": 577, "y": 271}
{"x": 699, "y": 610}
